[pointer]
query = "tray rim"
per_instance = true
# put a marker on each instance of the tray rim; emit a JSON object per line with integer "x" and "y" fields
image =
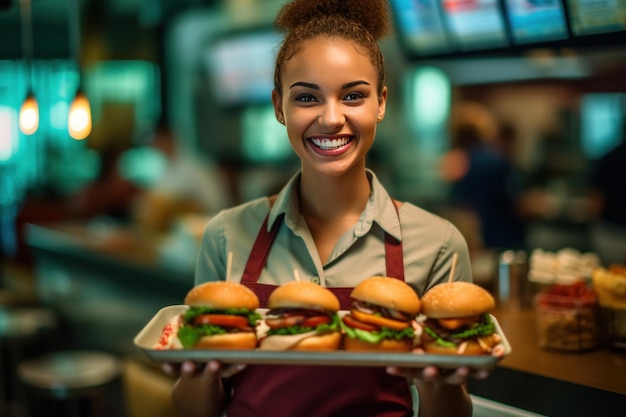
{"x": 293, "y": 357}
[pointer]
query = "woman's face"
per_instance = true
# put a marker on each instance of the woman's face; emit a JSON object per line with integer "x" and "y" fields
{"x": 330, "y": 105}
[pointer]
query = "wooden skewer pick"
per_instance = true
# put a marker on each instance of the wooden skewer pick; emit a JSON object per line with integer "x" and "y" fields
{"x": 296, "y": 275}
{"x": 229, "y": 265}
{"x": 454, "y": 258}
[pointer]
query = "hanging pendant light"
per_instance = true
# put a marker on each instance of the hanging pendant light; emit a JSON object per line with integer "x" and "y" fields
{"x": 79, "y": 115}
{"x": 29, "y": 112}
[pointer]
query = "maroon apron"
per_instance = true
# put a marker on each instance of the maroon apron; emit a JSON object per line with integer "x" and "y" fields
{"x": 316, "y": 391}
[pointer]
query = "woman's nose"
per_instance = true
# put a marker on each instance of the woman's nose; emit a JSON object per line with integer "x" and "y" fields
{"x": 332, "y": 115}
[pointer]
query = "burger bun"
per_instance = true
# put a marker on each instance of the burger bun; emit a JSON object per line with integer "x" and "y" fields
{"x": 323, "y": 342}
{"x": 222, "y": 295}
{"x": 303, "y": 294}
{"x": 389, "y": 293}
{"x": 456, "y": 299}
{"x": 471, "y": 348}
{"x": 385, "y": 345}
{"x": 243, "y": 340}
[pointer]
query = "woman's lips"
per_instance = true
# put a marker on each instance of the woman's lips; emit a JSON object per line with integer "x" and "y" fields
{"x": 331, "y": 146}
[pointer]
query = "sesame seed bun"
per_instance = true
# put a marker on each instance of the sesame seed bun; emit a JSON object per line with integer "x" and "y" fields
{"x": 303, "y": 294}
{"x": 222, "y": 295}
{"x": 456, "y": 299}
{"x": 389, "y": 293}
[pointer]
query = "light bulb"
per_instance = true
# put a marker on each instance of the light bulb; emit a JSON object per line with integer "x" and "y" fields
{"x": 79, "y": 117}
{"x": 29, "y": 115}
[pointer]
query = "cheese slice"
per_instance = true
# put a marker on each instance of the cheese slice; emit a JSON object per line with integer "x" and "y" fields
{"x": 284, "y": 342}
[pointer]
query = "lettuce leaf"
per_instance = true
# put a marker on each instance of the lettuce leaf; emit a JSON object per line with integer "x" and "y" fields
{"x": 376, "y": 337}
{"x": 484, "y": 327}
{"x": 189, "y": 335}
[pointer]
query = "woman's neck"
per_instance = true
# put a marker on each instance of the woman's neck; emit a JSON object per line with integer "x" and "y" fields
{"x": 333, "y": 197}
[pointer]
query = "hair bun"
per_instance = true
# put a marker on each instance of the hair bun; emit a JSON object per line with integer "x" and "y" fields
{"x": 372, "y": 15}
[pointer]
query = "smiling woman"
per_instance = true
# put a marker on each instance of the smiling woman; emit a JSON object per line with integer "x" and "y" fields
{"x": 335, "y": 224}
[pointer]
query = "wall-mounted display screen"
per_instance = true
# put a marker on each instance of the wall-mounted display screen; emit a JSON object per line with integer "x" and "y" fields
{"x": 439, "y": 28}
{"x": 597, "y": 16}
{"x": 421, "y": 24}
{"x": 241, "y": 67}
{"x": 536, "y": 20}
{"x": 475, "y": 24}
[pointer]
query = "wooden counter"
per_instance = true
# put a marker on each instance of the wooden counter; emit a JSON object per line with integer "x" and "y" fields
{"x": 552, "y": 383}
{"x": 106, "y": 281}
{"x": 603, "y": 368}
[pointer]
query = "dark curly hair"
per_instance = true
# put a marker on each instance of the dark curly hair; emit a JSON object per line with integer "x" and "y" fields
{"x": 360, "y": 21}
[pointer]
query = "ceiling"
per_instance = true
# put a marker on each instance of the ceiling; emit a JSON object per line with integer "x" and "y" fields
{"x": 121, "y": 22}
{"x": 131, "y": 29}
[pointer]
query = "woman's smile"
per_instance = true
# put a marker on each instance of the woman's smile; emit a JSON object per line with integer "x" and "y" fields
{"x": 331, "y": 146}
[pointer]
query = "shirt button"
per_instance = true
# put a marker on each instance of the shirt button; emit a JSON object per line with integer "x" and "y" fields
{"x": 315, "y": 280}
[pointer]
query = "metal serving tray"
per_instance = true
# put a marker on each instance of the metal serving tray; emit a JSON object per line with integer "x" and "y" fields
{"x": 148, "y": 337}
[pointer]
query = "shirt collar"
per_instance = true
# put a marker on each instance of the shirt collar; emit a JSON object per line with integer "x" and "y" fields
{"x": 379, "y": 209}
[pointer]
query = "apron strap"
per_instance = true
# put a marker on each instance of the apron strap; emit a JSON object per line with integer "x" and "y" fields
{"x": 394, "y": 258}
{"x": 260, "y": 251}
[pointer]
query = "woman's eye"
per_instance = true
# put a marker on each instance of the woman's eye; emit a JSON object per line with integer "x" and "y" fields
{"x": 306, "y": 98}
{"x": 353, "y": 96}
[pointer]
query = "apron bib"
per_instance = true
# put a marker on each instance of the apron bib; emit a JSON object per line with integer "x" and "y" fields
{"x": 316, "y": 391}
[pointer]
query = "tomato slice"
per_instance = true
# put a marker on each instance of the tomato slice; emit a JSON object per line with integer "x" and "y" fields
{"x": 355, "y": 324}
{"x": 225, "y": 320}
{"x": 455, "y": 323}
{"x": 315, "y": 321}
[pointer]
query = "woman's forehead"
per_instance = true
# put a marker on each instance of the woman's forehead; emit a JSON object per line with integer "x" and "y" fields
{"x": 323, "y": 57}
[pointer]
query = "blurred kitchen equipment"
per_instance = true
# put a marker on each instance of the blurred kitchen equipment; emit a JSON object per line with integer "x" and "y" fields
{"x": 511, "y": 289}
{"x": 568, "y": 318}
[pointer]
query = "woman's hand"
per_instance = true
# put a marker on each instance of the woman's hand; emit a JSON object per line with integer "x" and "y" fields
{"x": 435, "y": 374}
{"x": 210, "y": 370}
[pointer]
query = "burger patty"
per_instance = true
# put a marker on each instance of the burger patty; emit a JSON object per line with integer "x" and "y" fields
{"x": 378, "y": 310}
{"x": 285, "y": 321}
{"x": 482, "y": 327}
{"x": 287, "y": 312}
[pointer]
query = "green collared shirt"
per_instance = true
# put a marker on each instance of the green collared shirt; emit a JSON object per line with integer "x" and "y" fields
{"x": 429, "y": 243}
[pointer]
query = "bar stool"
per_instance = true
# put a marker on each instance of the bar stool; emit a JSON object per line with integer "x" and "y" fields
{"x": 25, "y": 332}
{"x": 73, "y": 384}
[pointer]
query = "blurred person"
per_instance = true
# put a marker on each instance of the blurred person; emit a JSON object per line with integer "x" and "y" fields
{"x": 334, "y": 223}
{"x": 607, "y": 204}
{"x": 190, "y": 184}
{"x": 109, "y": 194}
{"x": 485, "y": 186}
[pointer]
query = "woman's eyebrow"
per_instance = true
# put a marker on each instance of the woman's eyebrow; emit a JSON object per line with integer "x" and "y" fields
{"x": 316, "y": 87}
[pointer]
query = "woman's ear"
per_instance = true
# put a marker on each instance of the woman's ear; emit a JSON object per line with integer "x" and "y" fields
{"x": 278, "y": 107}
{"x": 382, "y": 103}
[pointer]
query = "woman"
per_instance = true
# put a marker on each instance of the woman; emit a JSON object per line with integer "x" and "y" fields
{"x": 333, "y": 222}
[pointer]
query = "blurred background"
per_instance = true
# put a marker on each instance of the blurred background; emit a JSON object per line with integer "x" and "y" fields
{"x": 500, "y": 117}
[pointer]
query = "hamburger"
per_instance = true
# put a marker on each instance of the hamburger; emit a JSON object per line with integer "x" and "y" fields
{"x": 221, "y": 315}
{"x": 381, "y": 316}
{"x": 302, "y": 316}
{"x": 457, "y": 321}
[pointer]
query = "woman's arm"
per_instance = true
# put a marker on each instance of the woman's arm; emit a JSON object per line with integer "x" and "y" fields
{"x": 199, "y": 391}
{"x": 441, "y": 399}
{"x": 442, "y": 392}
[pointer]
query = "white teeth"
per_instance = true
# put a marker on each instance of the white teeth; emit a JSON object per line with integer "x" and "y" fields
{"x": 328, "y": 144}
